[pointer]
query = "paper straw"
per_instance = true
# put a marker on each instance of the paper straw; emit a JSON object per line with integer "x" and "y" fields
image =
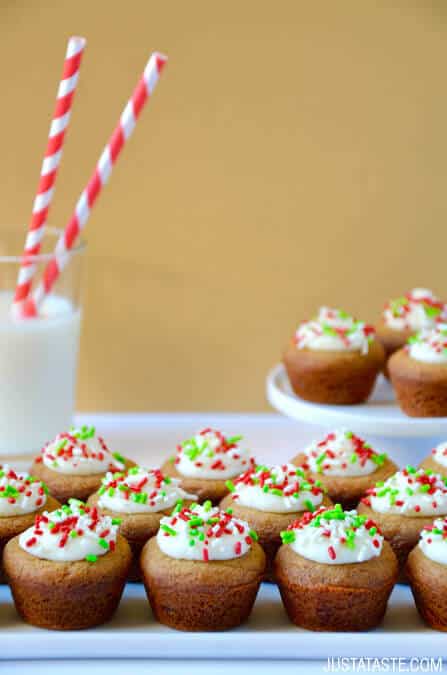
{"x": 49, "y": 169}
{"x": 98, "y": 179}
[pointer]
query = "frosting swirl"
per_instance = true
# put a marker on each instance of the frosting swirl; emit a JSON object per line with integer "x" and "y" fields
{"x": 73, "y": 532}
{"x": 410, "y": 492}
{"x": 20, "y": 493}
{"x": 416, "y": 310}
{"x": 140, "y": 491}
{"x": 334, "y": 537}
{"x": 342, "y": 453}
{"x": 334, "y": 330}
{"x": 440, "y": 454}
{"x": 433, "y": 541}
{"x": 279, "y": 489}
{"x": 430, "y": 345}
{"x": 212, "y": 455}
{"x": 80, "y": 453}
{"x": 204, "y": 533}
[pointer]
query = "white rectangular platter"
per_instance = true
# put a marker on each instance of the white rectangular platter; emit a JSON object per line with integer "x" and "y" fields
{"x": 133, "y": 633}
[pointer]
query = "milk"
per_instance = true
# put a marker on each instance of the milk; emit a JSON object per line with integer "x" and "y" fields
{"x": 38, "y": 359}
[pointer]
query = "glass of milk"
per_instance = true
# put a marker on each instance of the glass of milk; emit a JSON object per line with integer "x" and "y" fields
{"x": 38, "y": 356}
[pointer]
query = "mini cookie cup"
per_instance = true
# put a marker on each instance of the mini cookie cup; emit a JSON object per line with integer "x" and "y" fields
{"x": 428, "y": 581}
{"x": 268, "y": 526}
{"x": 334, "y": 377}
{"x": 321, "y": 597}
{"x": 347, "y": 490}
{"x": 421, "y": 388}
{"x": 66, "y": 595}
{"x": 11, "y": 526}
{"x": 63, "y": 486}
{"x": 192, "y": 595}
{"x": 205, "y": 488}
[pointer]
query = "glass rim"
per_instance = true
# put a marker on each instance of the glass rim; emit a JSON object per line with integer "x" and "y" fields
{"x": 54, "y": 232}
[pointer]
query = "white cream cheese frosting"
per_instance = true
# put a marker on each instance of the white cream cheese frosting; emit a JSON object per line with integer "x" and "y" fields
{"x": 204, "y": 533}
{"x": 410, "y": 492}
{"x": 433, "y": 541}
{"x": 212, "y": 455}
{"x": 140, "y": 490}
{"x": 416, "y": 310}
{"x": 73, "y": 532}
{"x": 334, "y": 330}
{"x": 278, "y": 489}
{"x": 80, "y": 452}
{"x": 334, "y": 537}
{"x": 430, "y": 345}
{"x": 439, "y": 454}
{"x": 342, "y": 453}
{"x": 20, "y": 493}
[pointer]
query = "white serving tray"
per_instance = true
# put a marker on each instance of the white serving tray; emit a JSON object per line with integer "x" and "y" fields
{"x": 380, "y": 415}
{"x": 133, "y": 633}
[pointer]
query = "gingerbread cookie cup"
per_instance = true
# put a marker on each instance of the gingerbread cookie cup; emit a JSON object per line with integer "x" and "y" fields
{"x": 74, "y": 464}
{"x": 403, "y": 317}
{"x": 205, "y": 462}
{"x": 419, "y": 374}
{"x": 427, "y": 573}
{"x": 22, "y": 497}
{"x": 335, "y": 572}
{"x": 269, "y": 499}
{"x": 345, "y": 465}
{"x": 209, "y": 584}
{"x": 139, "y": 498}
{"x": 333, "y": 359}
{"x": 403, "y": 505}
{"x": 81, "y": 584}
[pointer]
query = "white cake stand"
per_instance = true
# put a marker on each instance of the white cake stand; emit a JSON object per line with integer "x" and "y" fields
{"x": 406, "y": 439}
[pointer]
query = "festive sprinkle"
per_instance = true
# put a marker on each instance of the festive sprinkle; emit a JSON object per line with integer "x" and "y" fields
{"x": 203, "y": 530}
{"x": 338, "y": 326}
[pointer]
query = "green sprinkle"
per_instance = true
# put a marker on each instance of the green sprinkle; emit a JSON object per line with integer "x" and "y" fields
{"x": 207, "y": 505}
{"x": 117, "y": 521}
{"x": 234, "y": 439}
{"x": 230, "y": 485}
{"x": 309, "y": 506}
{"x": 410, "y": 469}
{"x": 91, "y": 558}
{"x": 288, "y": 537}
{"x": 178, "y": 506}
{"x": 372, "y": 531}
{"x": 353, "y": 458}
{"x": 196, "y": 521}
{"x": 102, "y": 542}
{"x": 349, "y": 434}
{"x": 119, "y": 457}
{"x": 253, "y": 535}
{"x": 168, "y": 530}
{"x": 73, "y": 534}
{"x": 276, "y": 492}
{"x": 111, "y": 491}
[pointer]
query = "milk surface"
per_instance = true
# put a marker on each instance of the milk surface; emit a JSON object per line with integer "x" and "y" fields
{"x": 38, "y": 362}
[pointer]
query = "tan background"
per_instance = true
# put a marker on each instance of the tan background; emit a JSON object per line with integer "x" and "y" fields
{"x": 294, "y": 154}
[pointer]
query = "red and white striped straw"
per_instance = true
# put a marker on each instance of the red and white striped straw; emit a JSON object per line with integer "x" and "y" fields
{"x": 98, "y": 179}
{"x": 49, "y": 169}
